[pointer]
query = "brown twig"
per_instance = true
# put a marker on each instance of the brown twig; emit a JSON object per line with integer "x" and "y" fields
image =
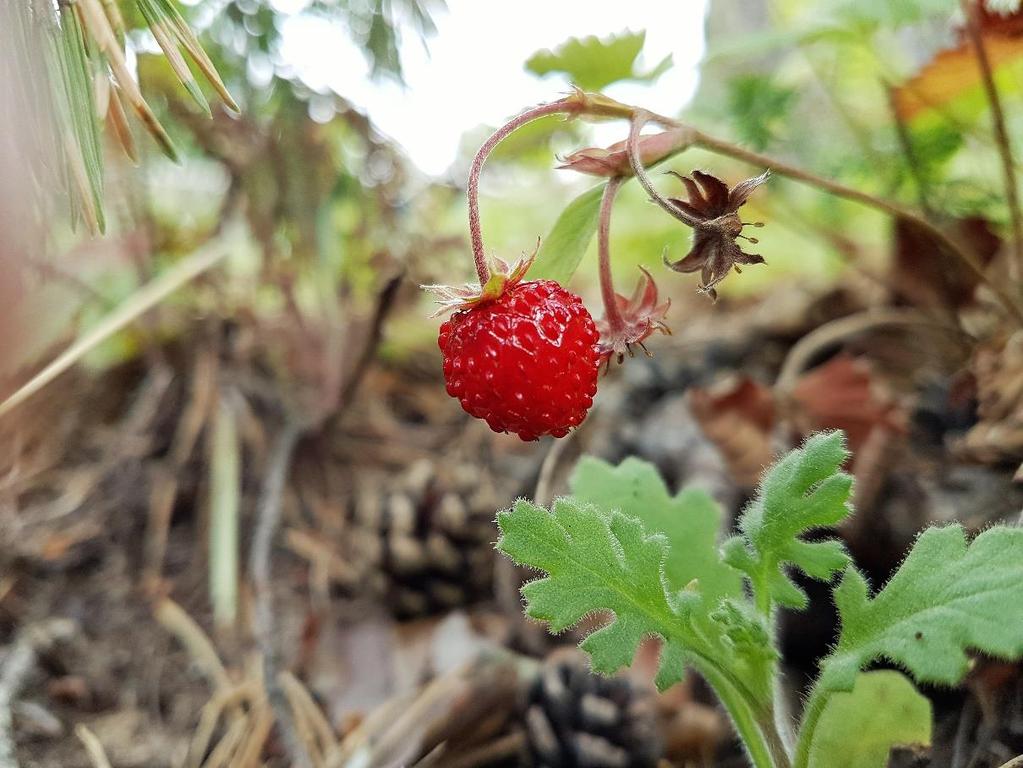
{"x": 385, "y": 303}
{"x": 268, "y": 520}
{"x": 843, "y": 328}
{"x": 97, "y": 755}
{"x": 1001, "y": 135}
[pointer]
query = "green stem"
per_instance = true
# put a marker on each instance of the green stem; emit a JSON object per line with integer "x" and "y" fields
{"x": 775, "y": 742}
{"x": 757, "y": 733}
{"x": 811, "y": 715}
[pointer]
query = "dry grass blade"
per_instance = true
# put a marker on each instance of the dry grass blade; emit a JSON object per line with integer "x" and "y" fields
{"x": 174, "y": 619}
{"x": 115, "y": 18}
{"x": 99, "y": 27}
{"x": 144, "y": 299}
{"x": 229, "y": 744}
{"x": 101, "y": 89}
{"x": 81, "y": 194}
{"x": 252, "y": 747}
{"x": 165, "y": 483}
{"x": 225, "y": 500}
{"x": 190, "y": 43}
{"x": 230, "y": 701}
{"x": 306, "y": 710}
{"x": 97, "y": 755}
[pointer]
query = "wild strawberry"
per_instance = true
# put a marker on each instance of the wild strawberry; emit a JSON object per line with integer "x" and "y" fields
{"x": 526, "y": 362}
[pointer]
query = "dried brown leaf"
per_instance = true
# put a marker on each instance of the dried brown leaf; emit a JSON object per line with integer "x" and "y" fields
{"x": 955, "y": 70}
{"x": 738, "y": 416}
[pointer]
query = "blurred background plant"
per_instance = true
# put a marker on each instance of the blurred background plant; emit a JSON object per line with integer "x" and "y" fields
{"x": 203, "y": 243}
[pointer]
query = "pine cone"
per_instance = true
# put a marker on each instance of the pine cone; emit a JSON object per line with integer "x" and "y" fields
{"x": 423, "y": 542}
{"x": 575, "y": 719}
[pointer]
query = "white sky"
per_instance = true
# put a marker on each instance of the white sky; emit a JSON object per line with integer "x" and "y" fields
{"x": 473, "y": 71}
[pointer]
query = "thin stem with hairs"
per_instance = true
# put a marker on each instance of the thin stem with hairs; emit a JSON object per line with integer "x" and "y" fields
{"x": 639, "y": 119}
{"x": 612, "y": 313}
{"x": 561, "y": 106}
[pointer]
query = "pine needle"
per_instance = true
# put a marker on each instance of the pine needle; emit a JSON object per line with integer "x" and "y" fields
{"x": 186, "y": 37}
{"x": 167, "y": 38}
{"x": 144, "y": 299}
{"x": 99, "y": 27}
{"x": 118, "y": 121}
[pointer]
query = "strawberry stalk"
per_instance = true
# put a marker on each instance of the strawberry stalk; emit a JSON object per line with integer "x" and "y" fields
{"x": 562, "y": 106}
{"x": 639, "y": 119}
{"x": 612, "y": 314}
{"x": 576, "y": 103}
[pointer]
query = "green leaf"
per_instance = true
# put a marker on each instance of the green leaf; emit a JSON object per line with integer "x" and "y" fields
{"x": 746, "y": 633}
{"x": 858, "y": 729}
{"x": 563, "y": 248}
{"x": 804, "y": 491}
{"x": 691, "y": 524}
{"x": 946, "y": 597}
{"x": 599, "y": 562}
{"x": 759, "y": 108}
{"x": 691, "y": 521}
{"x": 593, "y": 64}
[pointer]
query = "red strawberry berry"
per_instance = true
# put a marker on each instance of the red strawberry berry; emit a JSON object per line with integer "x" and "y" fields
{"x": 525, "y": 362}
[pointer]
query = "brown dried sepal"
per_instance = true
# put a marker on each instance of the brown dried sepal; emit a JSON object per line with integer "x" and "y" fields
{"x": 642, "y": 314}
{"x": 714, "y": 207}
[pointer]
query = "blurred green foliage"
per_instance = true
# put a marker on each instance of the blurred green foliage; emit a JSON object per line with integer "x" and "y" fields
{"x": 319, "y": 207}
{"x": 593, "y": 63}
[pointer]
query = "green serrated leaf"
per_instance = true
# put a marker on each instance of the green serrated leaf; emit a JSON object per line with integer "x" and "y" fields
{"x": 858, "y": 729}
{"x": 596, "y": 561}
{"x": 691, "y": 521}
{"x": 804, "y": 491}
{"x": 691, "y": 524}
{"x": 946, "y": 597}
{"x": 593, "y": 63}
{"x": 563, "y": 248}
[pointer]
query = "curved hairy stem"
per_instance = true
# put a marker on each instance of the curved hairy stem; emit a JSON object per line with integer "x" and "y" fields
{"x": 639, "y": 119}
{"x": 812, "y": 712}
{"x": 563, "y": 106}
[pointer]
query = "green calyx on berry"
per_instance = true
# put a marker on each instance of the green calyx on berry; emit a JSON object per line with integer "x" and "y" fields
{"x": 503, "y": 277}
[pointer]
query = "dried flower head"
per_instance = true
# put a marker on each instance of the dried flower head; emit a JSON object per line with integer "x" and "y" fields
{"x": 638, "y": 317}
{"x": 714, "y": 211}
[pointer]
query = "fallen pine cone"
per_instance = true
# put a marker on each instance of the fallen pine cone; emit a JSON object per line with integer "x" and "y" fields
{"x": 423, "y": 543}
{"x": 575, "y": 719}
